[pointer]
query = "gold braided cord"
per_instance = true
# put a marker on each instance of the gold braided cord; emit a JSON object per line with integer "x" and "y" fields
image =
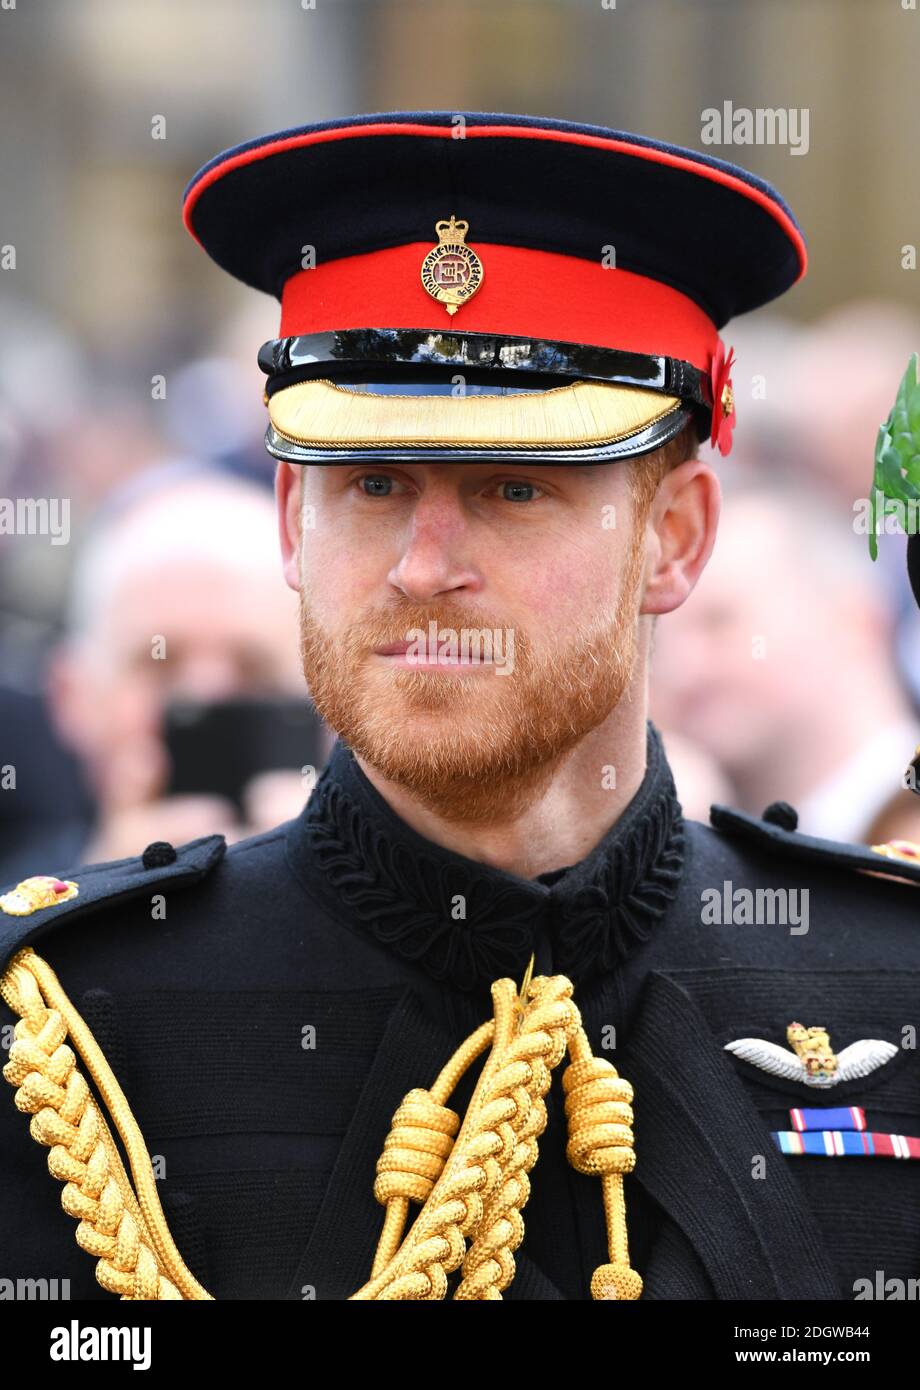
{"x": 599, "y": 1113}
{"x": 124, "y": 1229}
{"x": 473, "y": 1187}
{"x": 471, "y": 1179}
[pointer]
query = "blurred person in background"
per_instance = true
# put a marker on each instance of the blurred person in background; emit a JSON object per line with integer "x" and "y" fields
{"x": 852, "y": 360}
{"x": 700, "y": 778}
{"x": 780, "y": 667}
{"x": 831, "y": 428}
{"x": 177, "y": 603}
{"x": 98, "y": 449}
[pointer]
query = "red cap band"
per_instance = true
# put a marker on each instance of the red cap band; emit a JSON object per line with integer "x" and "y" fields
{"x": 524, "y": 293}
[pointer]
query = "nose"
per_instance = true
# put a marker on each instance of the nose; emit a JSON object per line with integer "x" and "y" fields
{"x": 435, "y": 558}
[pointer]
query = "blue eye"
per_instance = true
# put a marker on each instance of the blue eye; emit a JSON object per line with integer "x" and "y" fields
{"x": 381, "y": 485}
{"x": 519, "y": 488}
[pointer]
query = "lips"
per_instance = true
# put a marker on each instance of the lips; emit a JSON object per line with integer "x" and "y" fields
{"x": 428, "y": 656}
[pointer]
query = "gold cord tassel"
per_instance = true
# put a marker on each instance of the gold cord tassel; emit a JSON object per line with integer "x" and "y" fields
{"x": 471, "y": 1179}
{"x": 473, "y": 1188}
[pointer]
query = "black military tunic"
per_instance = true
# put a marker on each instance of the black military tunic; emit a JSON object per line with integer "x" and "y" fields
{"x": 300, "y": 983}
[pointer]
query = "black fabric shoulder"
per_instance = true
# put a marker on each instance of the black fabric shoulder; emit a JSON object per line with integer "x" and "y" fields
{"x": 103, "y": 885}
{"x": 781, "y": 839}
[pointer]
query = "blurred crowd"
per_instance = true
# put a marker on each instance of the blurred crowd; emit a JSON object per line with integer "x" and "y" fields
{"x": 150, "y": 680}
{"x": 792, "y": 673}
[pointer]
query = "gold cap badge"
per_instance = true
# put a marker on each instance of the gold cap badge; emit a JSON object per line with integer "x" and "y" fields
{"x": 451, "y": 272}
{"x": 33, "y": 894}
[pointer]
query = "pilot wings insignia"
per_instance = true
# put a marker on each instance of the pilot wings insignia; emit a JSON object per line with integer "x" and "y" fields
{"x": 812, "y": 1060}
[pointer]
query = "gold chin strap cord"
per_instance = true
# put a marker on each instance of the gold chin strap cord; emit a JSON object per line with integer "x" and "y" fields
{"x": 472, "y": 1184}
{"x": 474, "y": 1187}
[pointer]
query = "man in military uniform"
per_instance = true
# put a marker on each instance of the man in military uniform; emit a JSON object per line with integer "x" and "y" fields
{"x": 499, "y": 352}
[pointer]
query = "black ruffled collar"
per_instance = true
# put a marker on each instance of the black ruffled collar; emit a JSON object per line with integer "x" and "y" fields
{"x": 378, "y": 875}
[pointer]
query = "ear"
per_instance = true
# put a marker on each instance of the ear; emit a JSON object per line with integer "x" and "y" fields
{"x": 681, "y": 531}
{"x": 288, "y": 485}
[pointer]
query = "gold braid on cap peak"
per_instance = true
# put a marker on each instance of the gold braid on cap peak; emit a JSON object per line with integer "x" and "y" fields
{"x": 471, "y": 1179}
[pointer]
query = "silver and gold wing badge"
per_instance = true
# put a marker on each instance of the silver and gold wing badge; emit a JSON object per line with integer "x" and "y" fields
{"x": 812, "y": 1060}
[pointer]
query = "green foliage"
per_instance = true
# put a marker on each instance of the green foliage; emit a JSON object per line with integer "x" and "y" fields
{"x": 896, "y": 480}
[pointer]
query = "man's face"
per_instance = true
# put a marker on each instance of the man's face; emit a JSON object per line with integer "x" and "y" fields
{"x": 532, "y": 577}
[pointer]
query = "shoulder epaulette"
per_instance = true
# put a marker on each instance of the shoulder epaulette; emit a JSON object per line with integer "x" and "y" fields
{"x": 37, "y": 905}
{"x": 776, "y": 830}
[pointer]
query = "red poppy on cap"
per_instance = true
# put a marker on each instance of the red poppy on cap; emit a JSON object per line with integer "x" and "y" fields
{"x": 723, "y": 399}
